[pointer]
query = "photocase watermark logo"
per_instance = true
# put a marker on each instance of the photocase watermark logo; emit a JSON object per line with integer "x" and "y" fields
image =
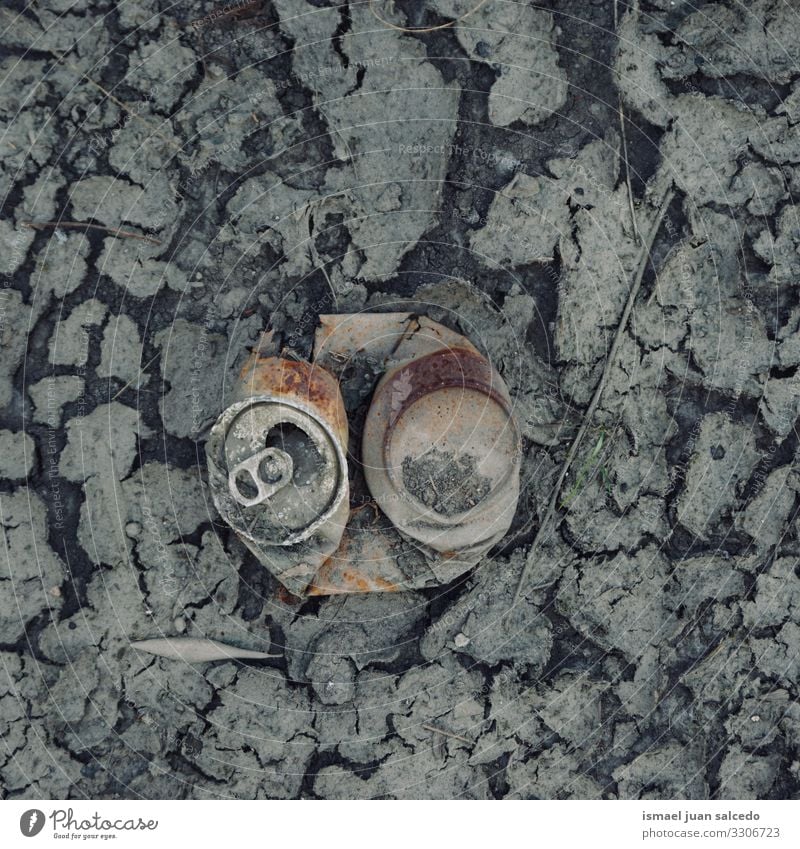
{"x": 65, "y": 824}
{"x": 31, "y": 822}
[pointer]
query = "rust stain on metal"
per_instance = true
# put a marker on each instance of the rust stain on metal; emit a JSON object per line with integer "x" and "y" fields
{"x": 442, "y": 452}
{"x": 441, "y": 459}
{"x": 447, "y": 368}
{"x": 277, "y": 460}
{"x": 296, "y": 380}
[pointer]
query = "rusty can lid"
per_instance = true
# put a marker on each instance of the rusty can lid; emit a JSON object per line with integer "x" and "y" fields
{"x": 442, "y": 451}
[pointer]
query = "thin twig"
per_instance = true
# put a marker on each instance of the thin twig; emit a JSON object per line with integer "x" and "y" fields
{"x": 125, "y": 108}
{"x": 139, "y": 374}
{"x": 234, "y": 12}
{"x": 325, "y": 274}
{"x": 636, "y": 232}
{"x": 351, "y": 157}
{"x": 62, "y": 58}
{"x": 624, "y": 135}
{"x": 575, "y": 490}
{"x": 610, "y": 360}
{"x": 447, "y": 733}
{"x": 85, "y": 225}
{"x": 425, "y": 29}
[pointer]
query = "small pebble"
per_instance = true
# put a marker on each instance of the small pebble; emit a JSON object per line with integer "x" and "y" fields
{"x": 461, "y": 640}
{"x": 179, "y": 624}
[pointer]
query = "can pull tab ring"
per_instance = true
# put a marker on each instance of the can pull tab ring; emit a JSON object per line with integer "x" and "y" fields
{"x": 259, "y": 477}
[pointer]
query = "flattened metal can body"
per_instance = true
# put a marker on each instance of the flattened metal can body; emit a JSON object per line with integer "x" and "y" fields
{"x": 277, "y": 460}
{"x": 441, "y": 451}
{"x": 440, "y": 457}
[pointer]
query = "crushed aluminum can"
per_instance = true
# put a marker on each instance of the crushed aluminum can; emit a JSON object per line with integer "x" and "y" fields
{"x": 277, "y": 461}
{"x": 439, "y": 482}
{"x": 442, "y": 452}
{"x": 440, "y": 448}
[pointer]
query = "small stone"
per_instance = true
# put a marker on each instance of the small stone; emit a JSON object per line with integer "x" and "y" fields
{"x": 133, "y": 529}
{"x": 179, "y": 624}
{"x": 461, "y": 640}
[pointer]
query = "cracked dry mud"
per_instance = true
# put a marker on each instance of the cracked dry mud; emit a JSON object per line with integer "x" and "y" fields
{"x": 296, "y": 158}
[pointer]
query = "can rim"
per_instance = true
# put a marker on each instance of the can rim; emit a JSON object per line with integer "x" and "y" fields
{"x": 216, "y": 442}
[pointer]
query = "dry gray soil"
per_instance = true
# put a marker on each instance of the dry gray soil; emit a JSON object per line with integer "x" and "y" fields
{"x": 200, "y": 171}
